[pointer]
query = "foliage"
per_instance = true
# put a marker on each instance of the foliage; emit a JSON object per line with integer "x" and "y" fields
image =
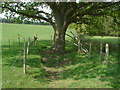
{"x": 20, "y": 21}
{"x": 101, "y": 26}
{"x": 31, "y": 10}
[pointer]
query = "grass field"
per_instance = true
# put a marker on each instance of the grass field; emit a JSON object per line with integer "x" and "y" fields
{"x": 71, "y": 70}
{"x": 10, "y": 31}
{"x": 107, "y": 39}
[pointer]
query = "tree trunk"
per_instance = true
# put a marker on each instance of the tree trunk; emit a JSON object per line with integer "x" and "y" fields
{"x": 59, "y": 40}
{"x": 60, "y": 27}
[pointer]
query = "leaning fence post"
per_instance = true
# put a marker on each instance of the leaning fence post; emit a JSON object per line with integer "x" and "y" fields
{"x": 107, "y": 54}
{"x": 24, "y": 59}
{"x": 18, "y": 39}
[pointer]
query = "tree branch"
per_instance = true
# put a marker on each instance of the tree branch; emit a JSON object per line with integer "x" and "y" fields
{"x": 29, "y": 16}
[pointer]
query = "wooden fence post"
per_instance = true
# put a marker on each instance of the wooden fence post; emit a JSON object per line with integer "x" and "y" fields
{"x": 36, "y": 40}
{"x": 90, "y": 47}
{"x": 107, "y": 54}
{"x": 101, "y": 47}
{"x": 28, "y": 45}
{"x": 24, "y": 58}
{"x": 18, "y": 39}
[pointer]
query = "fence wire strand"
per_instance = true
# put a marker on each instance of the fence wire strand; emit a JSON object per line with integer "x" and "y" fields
{"x": 9, "y": 71}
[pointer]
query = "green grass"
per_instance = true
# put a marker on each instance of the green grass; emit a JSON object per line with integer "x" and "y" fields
{"x": 35, "y": 77}
{"x": 78, "y": 70}
{"x": 44, "y": 32}
{"x": 107, "y": 39}
{"x": 10, "y": 31}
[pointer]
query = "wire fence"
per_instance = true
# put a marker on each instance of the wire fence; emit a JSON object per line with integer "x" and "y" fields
{"x": 5, "y": 80}
{"x": 11, "y": 70}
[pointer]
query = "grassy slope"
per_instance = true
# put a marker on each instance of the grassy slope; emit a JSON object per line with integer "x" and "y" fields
{"x": 82, "y": 72}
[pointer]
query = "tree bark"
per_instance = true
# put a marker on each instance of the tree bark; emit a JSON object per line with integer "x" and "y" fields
{"x": 60, "y": 27}
{"x": 59, "y": 40}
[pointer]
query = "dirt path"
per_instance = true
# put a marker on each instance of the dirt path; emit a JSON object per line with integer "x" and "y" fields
{"x": 53, "y": 74}
{"x": 54, "y": 64}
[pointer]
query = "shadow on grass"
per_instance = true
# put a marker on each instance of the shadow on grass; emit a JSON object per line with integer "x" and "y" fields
{"x": 77, "y": 65}
{"x": 34, "y": 65}
{"x": 85, "y": 68}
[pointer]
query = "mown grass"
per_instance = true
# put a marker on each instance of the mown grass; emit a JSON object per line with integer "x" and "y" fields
{"x": 106, "y": 39}
{"x": 11, "y": 31}
{"x": 44, "y": 32}
{"x": 77, "y": 70}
